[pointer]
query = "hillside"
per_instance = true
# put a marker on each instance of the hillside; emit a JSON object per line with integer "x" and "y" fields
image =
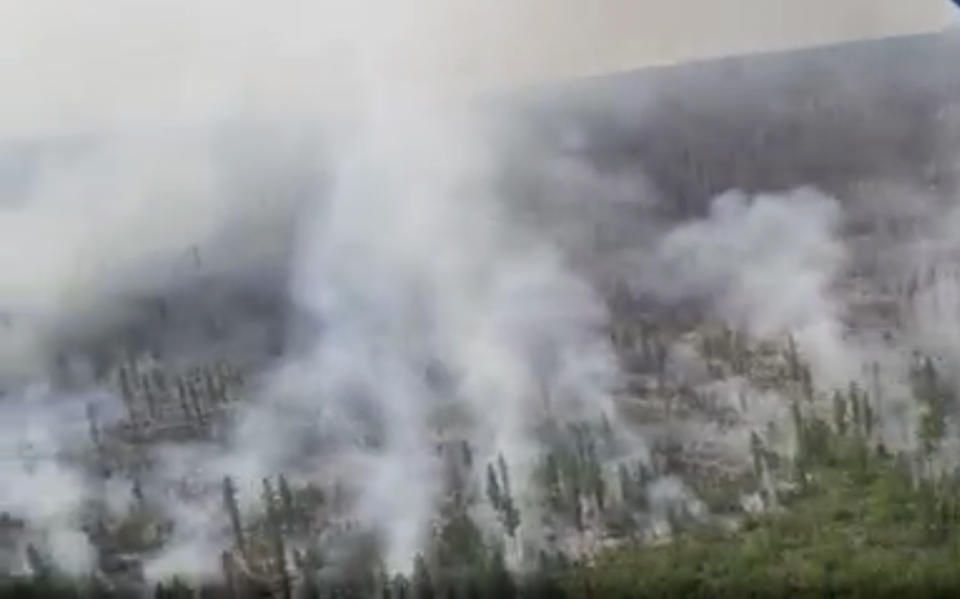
{"x": 700, "y": 342}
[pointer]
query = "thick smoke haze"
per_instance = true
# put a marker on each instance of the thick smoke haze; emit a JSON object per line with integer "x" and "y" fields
{"x": 396, "y": 268}
{"x": 768, "y": 263}
{"x": 122, "y": 64}
{"x": 408, "y": 263}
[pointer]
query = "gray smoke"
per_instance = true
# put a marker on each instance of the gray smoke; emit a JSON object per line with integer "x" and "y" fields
{"x": 443, "y": 273}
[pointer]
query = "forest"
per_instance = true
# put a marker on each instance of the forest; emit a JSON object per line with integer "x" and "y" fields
{"x": 840, "y": 514}
{"x": 705, "y": 351}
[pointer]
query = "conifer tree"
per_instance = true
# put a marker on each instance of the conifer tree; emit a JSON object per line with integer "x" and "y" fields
{"x": 504, "y": 475}
{"x": 422, "y": 583}
{"x": 493, "y": 488}
{"x": 661, "y": 354}
{"x": 276, "y": 534}
{"x": 643, "y": 479}
{"x": 230, "y": 503}
{"x": 184, "y": 398}
{"x": 510, "y": 513}
{"x": 511, "y": 517}
{"x": 799, "y": 429}
{"x": 598, "y": 485}
{"x": 855, "y": 408}
{"x": 500, "y": 584}
{"x": 552, "y": 481}
{"x": 626, "y": 484}
{"x": 400, "y": 587}
{"x": 575, "y": 496}
{"x": 126, "y": 389}
{"x": 932, "y": 395}
{"x": 756, "y": 450}
{"x": 839, "y": 413}
{"x": 138, "y": 491}
{"x": 793, "y": 360}
{"x": 160, "y": 381}
{"x": 229, "y": 573}
{"x": 93, "y": 426}
{"x": 467, "y": 454}
{"x": 287, "y": 505}
{"x": 151, "y": 400}
{"x": 607, "y": 429}
{"x": 806, "y": 382}
{"x": 210, "y": 387}
{"x": 38, "y": 565}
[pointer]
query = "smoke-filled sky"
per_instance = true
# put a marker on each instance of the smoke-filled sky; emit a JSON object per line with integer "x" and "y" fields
{"x": 122, "y": 72}
{"x": 161, "y": 138}
{"x": 117, "y": 62}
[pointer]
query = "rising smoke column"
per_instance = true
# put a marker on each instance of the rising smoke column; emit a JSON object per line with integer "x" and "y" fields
{"x": 413, "y": 263}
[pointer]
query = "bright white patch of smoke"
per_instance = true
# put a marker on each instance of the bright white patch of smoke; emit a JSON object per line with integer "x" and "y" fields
{"x": 769, "y": 264}
{"x": 412, "y": 262}
{"x": 112, "y": 218}
{"x": 46, "y": 449}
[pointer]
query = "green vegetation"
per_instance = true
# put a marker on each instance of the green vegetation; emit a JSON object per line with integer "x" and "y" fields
{"x": 859, "y": 527}
{"x": 833, "y": 512}
{"x": 848, "y": 519}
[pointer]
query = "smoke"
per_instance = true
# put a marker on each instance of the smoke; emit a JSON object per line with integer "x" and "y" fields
{"x": 411, "y": 265}
{"x": 46, "y": 486}
{"x": 429, "y": 303}
{"x": 407, "y": 265}
{"x": 769, "y": 264}
{"x": 122, "y": 64}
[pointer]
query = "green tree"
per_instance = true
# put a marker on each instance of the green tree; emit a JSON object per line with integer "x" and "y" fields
{"x": 839, "y": 413}
{"x": 230, "y": 503}
{"x": 422, "y": 582}
{"x": 756, "y": 450}
{"x": 500, "y": 584}
{"x": 626, "y": 484}
{"x": 552, "y": 481}
{"x": 467, "y": 454}
{"x": 275, "y": 530}
{"x": 41, "y": 570}
{"x": 504, "y": 474}
{"x": 855, "y": 408}
{"x": 493, "y": 488}
{"x": 511, "y": 515}
{"x": 793, "y": 360}
{"x": 933, "y": 395}
{"x": 287, "y": 503}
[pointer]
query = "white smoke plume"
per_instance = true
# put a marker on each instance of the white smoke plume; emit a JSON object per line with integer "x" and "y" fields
{"x": 769, "y": 264}
{"x": 426, "y": 308}
{"x": 409, "y": 265}
{"x": 42, "y": 439}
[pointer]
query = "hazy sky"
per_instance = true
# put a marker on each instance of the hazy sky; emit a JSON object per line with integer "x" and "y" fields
{"x": 68, "y": 64}
{"x": 451, "y": 275}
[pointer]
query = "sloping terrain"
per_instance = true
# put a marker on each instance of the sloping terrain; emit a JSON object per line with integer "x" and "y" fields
{"x": 729, "y": 295}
